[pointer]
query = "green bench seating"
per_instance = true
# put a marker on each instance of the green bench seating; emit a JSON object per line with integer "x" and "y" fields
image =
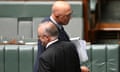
{"x": 103, "y": 58}
{"x": 17, "y": 58}
{"x": 21, "y": 58}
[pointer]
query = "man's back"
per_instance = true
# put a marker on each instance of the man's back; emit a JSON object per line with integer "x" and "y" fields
{"x": 60, "y": 57}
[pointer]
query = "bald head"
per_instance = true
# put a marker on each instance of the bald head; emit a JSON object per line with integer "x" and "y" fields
{"x": 61, "y": 7}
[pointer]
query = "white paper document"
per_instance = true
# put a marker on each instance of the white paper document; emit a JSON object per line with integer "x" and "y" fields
{"x": 81, "y": 48}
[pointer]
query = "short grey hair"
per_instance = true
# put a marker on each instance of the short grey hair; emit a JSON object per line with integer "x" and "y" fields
{"x": 50, "y": 29}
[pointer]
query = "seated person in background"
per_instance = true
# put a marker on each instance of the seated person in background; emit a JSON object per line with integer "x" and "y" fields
{"x": 59, "y": 56}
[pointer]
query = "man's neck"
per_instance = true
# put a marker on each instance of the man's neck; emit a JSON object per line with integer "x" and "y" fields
{"x": 53, "y": 20}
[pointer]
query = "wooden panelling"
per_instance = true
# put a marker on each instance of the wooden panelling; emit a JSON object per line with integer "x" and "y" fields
{"x": 86, "y": 20}
{"x": 108, "y": 26}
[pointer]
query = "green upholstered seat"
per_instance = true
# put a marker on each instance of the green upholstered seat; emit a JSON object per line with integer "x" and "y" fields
{"x": 21, "y": 58}
{"x": 11, "y": 58}
{"x": 98, "y": 58}
{"x": 1, "y": 58}
{"x": 89, "y": 50}
{"x": 113, "y": 58}
{"x": 25, "y": 58}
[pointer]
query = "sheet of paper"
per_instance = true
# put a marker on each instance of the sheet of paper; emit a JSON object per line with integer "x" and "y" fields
{"x": 81, "y": 49}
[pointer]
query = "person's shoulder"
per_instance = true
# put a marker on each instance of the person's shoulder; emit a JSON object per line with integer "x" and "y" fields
{"x": 45, "y": 19}
{"x": 67, "y": 43}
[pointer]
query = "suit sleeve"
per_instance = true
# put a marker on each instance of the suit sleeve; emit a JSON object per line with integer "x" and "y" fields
{"x": 44, "y": 66}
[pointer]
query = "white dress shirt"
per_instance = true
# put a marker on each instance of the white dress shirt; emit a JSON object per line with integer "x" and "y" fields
{"x": 51, "y": 42}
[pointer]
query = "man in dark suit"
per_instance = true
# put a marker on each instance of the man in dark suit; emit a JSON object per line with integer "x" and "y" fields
{"x": 59, "y": 56}
{"x": 58, "y": 19}
{"x": 61, "y": 14}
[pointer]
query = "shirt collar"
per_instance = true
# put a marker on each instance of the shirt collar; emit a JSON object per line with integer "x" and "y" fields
{"x": 51, "y": 42}
{"x": 58, "y": 25}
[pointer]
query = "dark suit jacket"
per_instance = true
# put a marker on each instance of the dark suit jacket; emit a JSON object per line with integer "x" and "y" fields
{"x": 59, "y": 57}
{"x": 62, "y": 37}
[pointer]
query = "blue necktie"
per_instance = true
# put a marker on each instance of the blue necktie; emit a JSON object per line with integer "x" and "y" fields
{"x": 63, "y": 35}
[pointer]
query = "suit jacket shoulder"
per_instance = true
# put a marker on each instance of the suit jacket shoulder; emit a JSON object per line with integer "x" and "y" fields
{"x": 60, "y": 57}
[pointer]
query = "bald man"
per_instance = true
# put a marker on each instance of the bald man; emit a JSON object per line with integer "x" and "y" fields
{"x": 59, "y": 56}
{"x": 61, "y": 12}
{"x": 61, "y": 15}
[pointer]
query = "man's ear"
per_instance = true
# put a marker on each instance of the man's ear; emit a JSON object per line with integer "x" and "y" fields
{"x": 47, "y": 37}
